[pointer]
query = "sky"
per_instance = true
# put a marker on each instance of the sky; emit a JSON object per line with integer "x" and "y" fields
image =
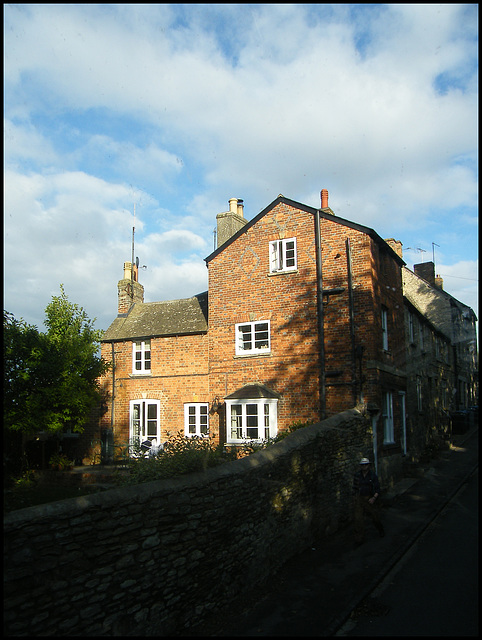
{"x": 169, "y": 110}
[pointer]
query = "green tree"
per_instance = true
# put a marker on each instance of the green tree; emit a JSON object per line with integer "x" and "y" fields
{"x": 51, "y": 378}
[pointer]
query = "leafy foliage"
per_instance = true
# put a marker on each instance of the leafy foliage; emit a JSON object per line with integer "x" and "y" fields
{"x": 183, "y": 455}
{"x": 51, "y": 379}
{"x": 179, "y": 456}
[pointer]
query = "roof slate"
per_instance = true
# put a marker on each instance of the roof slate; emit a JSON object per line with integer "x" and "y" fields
{"x": 252, "y": 391}
{"x": 171, "y": 317}
{"x": 435, "y": 304}
{"x": 323, "y": 214}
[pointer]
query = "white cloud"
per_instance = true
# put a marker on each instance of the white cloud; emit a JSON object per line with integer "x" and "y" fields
{"x": 179, "y": 107}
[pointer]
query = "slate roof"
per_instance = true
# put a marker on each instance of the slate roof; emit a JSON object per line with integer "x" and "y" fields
{"x": 253, "y": 391}
{"x": 323, "y": 214}
{"x": 432, "y": 302}
{"x": 168, "y": 318}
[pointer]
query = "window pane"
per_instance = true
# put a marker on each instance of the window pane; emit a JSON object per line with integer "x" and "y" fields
{"x": 261, "y": 335}
{"x": 290, "y": 254}
{"x": 252, "y": 421}
{"x": 236, "y": 422}
{"x": 245, "y": 337}
{"x": 274, "y": 256}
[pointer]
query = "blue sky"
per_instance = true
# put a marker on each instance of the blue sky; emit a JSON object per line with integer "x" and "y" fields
{"x": 177, "y": 108}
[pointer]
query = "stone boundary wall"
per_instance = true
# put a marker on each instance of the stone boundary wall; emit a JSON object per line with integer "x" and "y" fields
{"x": 157, "y": 558}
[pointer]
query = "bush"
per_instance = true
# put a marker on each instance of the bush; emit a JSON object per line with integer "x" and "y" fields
{"x": 182, "y": 455}
{"x": 179, "y": 456}
{"x": 61, "y": 462}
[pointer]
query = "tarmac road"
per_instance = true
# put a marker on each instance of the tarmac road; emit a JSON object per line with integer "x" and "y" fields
{"x": 316, "y": 591}
{"x": 433, "y": 589}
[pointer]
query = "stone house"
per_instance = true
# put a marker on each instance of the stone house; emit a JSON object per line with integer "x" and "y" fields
{"x": 303, "y": 318}
{"x": 441, "y": 356}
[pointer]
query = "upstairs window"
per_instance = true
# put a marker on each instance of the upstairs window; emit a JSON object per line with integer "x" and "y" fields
{"x": 282, "y": 255}
{"x": 141, "y": 357}
{"x": 196, "y": 419}
{"x": 252, "y": 338}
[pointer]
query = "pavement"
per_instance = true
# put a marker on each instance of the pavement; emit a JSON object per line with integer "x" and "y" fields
{"x": 315, "y": 592}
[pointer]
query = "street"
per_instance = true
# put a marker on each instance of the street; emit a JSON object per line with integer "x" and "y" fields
{"x": 433, "y": 590}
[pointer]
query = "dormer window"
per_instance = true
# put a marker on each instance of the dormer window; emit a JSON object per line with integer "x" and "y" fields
{"x": 141, "y": 357}
{"x": 282, "y": 255}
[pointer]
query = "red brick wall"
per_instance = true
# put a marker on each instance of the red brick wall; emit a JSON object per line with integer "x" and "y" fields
{"x": 179, "y": 369}
{"x": 241, "y": 290}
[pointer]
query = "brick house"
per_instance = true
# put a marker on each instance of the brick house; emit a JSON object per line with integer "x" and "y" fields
{"x": 243, "y": 360}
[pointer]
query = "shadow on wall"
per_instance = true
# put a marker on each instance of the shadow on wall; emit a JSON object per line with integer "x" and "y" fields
{"x": 186, "y": 546}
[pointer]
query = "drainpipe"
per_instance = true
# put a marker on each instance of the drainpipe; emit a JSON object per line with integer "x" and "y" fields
{"x": 321, "y": 329}
{"x": 352, "y": 320}
{"x": 113, "y": 389}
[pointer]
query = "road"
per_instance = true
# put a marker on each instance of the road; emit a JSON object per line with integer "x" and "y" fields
{"x": 433, "y": 590}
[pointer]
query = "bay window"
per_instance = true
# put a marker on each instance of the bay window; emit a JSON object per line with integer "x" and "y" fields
{"x": 251, "y": 419}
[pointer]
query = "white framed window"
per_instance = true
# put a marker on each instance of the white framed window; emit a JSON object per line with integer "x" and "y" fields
{"x": 282, "y": 255}
{"x": 144, "y": 423}
{"x": 196, "y": 419}
{"x": 388, "y": 427}
{"x": 254, "y": 420}
{"x": 253, "y": 337}
{"x": 141, "y": 357}
{"x": 385, "y": 328}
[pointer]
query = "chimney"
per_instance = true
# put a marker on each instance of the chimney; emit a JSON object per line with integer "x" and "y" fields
{"x": 425, "y": 270}
{"x": 396, "y": 245}
{"x": 324, "y": 202}
{"x": 230, "y": 222}
{"x": 324, "y": 198}
{"x": 439, "y": 282}
{"x": 129, "y": 291}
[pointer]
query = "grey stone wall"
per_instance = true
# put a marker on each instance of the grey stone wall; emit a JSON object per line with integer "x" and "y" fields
{"x": 156, "y": 558}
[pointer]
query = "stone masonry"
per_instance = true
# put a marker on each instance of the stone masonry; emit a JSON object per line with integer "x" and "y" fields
{"x": 157, "y": 558}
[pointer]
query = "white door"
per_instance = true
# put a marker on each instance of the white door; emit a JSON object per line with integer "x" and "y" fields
{"x": 144, "y": 421}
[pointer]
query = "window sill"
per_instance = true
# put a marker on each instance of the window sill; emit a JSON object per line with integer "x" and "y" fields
{"x": 252, "y": 354}
{"x": 242, "y": 443}
{"x": 141, "y": 374}
{"x": 282, "y": 273}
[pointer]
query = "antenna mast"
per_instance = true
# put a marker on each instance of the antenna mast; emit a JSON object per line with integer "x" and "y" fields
{"x": 132, "y": 261}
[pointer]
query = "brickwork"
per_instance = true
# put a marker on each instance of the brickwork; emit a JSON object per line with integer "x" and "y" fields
{"x": 157, "y": 558}
{"x": 200, "y": 368}
{"x": 241, "y": 289}
{"x": 179, "y": 374}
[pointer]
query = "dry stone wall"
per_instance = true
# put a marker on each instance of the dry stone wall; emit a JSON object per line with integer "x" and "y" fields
{"x": 157, "y": 558}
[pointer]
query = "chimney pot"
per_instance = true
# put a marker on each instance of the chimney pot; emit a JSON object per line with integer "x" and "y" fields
{"x": 240, "y": 208}
{"x": 324, "y": 198}
{"x": 233, "y": 205}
